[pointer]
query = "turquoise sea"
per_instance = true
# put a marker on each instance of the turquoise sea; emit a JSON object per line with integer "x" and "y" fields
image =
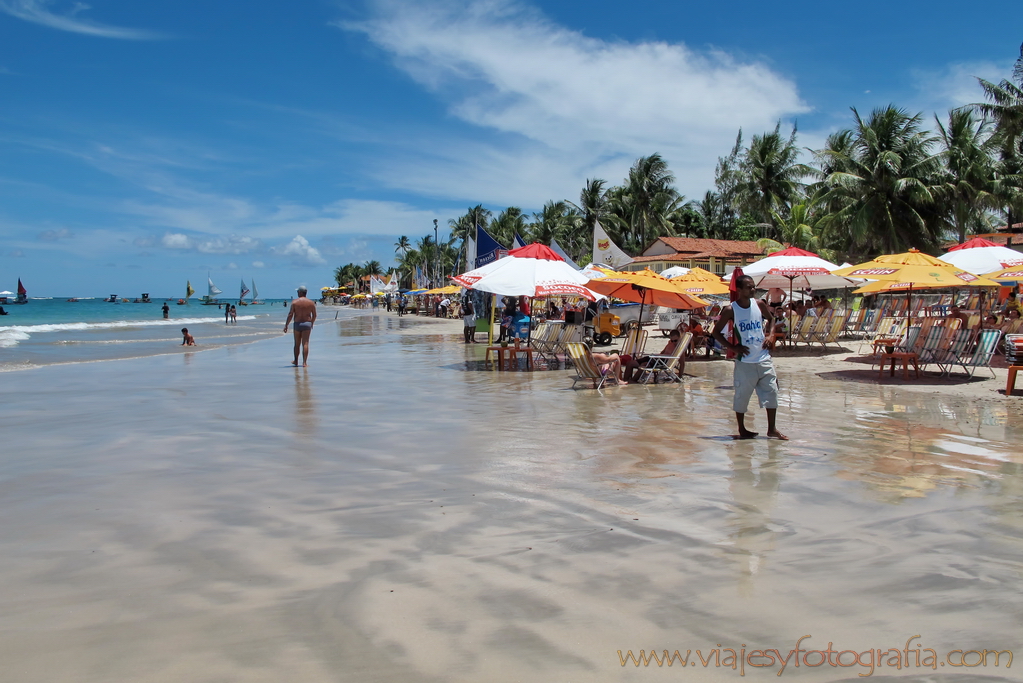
{"x": 53, "y": 331}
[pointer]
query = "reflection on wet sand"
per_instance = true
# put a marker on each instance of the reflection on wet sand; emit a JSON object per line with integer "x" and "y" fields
{"x": 444, "y": 525}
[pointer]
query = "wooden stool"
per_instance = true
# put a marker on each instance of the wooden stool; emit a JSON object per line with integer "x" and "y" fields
{"x": 1010, "y": 383}
{"x": 906, "y": 357}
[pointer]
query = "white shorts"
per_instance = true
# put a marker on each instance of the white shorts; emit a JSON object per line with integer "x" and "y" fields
{"x": 469, "y": 321}
{"x": 750, "y": 377}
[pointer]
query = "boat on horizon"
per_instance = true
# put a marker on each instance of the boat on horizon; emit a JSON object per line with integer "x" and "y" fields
{"x": 255, "y": 295}
{"x": 241, "y": 297}
{"x": 209, "y": 299}
{"x": 21, "y": 298}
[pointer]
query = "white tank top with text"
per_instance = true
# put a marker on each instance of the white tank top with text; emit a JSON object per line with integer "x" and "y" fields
{"x": 749, "y": 323}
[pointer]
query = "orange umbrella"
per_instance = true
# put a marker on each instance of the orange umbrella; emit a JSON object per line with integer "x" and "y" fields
{"x": 646, "y": 287}
{"x": 699, "y": 281}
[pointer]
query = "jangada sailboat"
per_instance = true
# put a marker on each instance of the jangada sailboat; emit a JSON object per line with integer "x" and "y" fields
{"x": 21, "y": 299}
{"x": 255, "y": 296}
{"x": 241, "y": 297}
{"x": 210, "y": 299}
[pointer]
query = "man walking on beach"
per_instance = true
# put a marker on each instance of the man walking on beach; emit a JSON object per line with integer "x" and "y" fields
{"x": 754, "y": 369}
{"x": 304, "y": 313}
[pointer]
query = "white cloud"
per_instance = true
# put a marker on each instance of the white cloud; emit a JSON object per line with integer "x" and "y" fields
{"x": 176, "y": 241}
{"x": 570, "y": 103}
{"x": 955, "y": 85}
{"x": 38, "y": 12}
{"x": 55, "y": 235}
{"x": 300, "y": 252}
{"x": 258, "y": 264}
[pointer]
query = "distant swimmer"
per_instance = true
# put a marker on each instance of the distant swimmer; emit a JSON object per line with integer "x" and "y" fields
{"x": 166, "y": 311}
{"x": 188, "y": 340}
{"x": 2, "y": 311}
{"x": 303, "y": 311}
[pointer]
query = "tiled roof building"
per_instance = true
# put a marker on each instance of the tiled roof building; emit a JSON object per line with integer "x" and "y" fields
{"x": 712, "y": 255}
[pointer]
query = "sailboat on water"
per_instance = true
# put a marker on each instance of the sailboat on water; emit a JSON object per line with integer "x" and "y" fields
{"x": 255, "y": 295}
{"x": 188, "y": 293}
{"x": 22, "y": 295}
{"x": 241, "y": 297}
{"x": 210, "y": 299}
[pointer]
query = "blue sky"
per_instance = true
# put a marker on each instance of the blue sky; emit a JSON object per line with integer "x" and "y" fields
{"x": 143, "y": 144}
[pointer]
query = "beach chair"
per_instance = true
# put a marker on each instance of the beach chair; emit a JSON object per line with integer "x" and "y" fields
{"x": 854, "y": 322}
{"x": 803, "y": 329}
{"x": 956, "y": 345}
{"x": 819, "y": 329}
{"x": 928, "y": 352}
{"x": 569, "y": 334}
{"x": 834, "y": 330}
{"x": 888, "y": 328}
{"x": 635, "y": 342}
{"x": 586, "y": 369}
{"x": 539, "y": 339}
{"x": 982, "y": 354}
{"x": 667, "y": 367}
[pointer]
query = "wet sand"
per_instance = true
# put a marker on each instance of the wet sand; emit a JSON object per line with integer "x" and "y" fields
{"x": 396, "y": 513}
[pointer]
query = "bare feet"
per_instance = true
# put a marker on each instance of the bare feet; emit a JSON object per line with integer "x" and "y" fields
{"x": 746, "y": 435}
{"x": 775, "y": 434}
{"x": 295, "y": 363}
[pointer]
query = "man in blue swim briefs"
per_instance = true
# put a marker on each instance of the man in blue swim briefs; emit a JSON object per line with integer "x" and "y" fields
{"x": 754, "y": 369}
{"x": 304, "y": 313}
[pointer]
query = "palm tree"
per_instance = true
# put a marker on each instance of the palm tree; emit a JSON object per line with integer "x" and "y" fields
{"x": 969, "y": 173}
{"x": 711, "y": 213}
{"x": 403, "y": 245}
{"x": 465, "y": 225}
{"x": 554, "y": 222}
{"x": 769, "y": 177}
{"x": 648, "y": 199}
{"x": 508, "y": 223}
{"x": 797, "y": 229}
{"x": 884, "y": 197}
{"x": 1005, "y": 107}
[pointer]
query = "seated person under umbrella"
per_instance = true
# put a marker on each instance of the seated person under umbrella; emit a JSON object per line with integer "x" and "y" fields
{"x": 634, "y": 365}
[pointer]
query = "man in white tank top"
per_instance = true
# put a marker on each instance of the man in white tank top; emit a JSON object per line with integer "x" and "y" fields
{"x": 754, "y": 369}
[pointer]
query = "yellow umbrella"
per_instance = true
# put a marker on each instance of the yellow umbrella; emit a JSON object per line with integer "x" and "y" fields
{"x": 700, "y": 281}
{"x": 903, "y": 272}
{"x": 914, "y": 268}
{"x": 646, "y": 287}
{"x": 1011, "y": 273}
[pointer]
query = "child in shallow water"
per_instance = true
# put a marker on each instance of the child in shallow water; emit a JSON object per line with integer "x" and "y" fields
{"x": 188, "y": 340}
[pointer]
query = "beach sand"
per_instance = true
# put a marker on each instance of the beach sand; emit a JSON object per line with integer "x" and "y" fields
{"x": 396, "y": 513}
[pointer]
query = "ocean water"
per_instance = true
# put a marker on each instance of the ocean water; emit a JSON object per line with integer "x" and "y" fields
{"x": 56, "y": 331}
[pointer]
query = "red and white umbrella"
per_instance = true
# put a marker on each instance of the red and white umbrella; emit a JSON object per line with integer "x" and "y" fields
{"x": 794, "y": 267}
{"x": 982, "y": 256}
{"x": 533, "y": 271}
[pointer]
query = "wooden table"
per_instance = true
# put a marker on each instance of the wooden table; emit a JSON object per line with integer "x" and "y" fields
{"x": 1010, "y": 382}
{"x": 906, "y": 357}
{"x": 509, "y": 355}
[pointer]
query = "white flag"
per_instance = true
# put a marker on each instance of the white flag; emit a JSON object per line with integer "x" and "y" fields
{"x": 606, "y": 252}
{"x": 470, "y": 253}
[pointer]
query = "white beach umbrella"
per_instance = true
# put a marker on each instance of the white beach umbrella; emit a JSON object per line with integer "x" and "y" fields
{"x": 982, "y": 256}
{"x": 796, "y": 268}
{"x": 533, "y": 271}
{"x": 674, "y": 271}
{"x": 6, "y": 293}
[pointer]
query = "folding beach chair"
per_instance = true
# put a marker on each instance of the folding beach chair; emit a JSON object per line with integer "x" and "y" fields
{"x": 932, "y": 344}
{"x": 803, "y": 329}
{"x": 833, "y": 331}
{"x": 819, "y": 329}
{"x": 982, "y": 354}
{"x": 635, "y": 342}
{"x": 586, "y": 368}
{"x": 669, "y": 367}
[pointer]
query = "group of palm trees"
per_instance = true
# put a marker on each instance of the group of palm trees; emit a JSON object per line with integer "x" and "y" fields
{"x": 886, "y": 184}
